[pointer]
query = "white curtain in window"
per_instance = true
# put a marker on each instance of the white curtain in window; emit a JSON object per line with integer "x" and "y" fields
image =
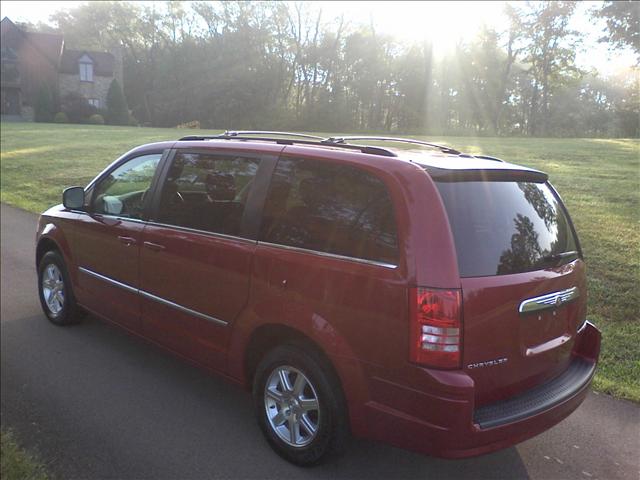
{"x": 86, "y": 72}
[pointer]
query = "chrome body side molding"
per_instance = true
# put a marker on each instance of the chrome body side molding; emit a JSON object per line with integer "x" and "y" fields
{"x": 124, "y": 286}
{"x": 181, "y": 308}
{"x": 151, "y": 296}
{"x": 550, "y": 300}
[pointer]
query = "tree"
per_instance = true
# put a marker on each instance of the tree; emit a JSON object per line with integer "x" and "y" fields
{"x": 550, "y": 50}
{"x": 117, "y": 110}
{"x": 513, "y": 35}
{"x": 622, "y": 24}
{"x": 44, "y": 106}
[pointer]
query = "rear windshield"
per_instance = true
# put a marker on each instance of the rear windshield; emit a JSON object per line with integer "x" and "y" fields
{"x": 504, "y": 227}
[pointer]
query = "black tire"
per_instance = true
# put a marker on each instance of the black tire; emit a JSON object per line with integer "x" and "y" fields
{"x": 330, "y": 418}
{"x": 69, "y": 313}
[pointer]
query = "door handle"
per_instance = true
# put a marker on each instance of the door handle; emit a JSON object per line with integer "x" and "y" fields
{"x": 156, "y": 247}
{"x": 128, "y": 241}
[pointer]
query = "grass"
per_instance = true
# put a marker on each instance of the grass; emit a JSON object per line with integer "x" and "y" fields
{"x": 599, "y": 180}
{"x": 16, "y": 464}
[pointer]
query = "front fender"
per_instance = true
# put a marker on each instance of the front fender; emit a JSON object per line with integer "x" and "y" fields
{"x": 55, "y": 229}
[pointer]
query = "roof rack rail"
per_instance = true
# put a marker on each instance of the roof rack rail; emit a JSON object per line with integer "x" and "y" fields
{"x": 235, "y": 133}
{"x": 343, "y": 140}
{"x": 313, "y": 140}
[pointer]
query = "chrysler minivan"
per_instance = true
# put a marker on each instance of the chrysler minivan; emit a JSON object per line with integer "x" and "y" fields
{"x": 425, "y": 298}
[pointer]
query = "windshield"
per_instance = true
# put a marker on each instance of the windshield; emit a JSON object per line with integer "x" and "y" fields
{"x": 504, "y": 227}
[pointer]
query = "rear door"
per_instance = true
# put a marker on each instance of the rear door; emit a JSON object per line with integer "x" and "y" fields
{"x": 196, "y": 252}
{"x": 523, "y": 281}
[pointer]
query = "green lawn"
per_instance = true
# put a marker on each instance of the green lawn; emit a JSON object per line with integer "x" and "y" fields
{"x": 16, "y": 463}
{"x": 599, "y": 180}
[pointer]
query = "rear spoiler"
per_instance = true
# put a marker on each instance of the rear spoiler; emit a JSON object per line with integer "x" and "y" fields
{"x": 499, "y": 174}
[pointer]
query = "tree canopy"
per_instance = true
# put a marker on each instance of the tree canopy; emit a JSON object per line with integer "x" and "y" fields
{"x": 289, "y": 66}
{"x": 623, "y": 24}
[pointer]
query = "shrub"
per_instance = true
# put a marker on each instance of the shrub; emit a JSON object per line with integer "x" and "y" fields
{"x": 44, "y": 105}
{"x": 61, "y": 117}
{"x": 77, "y": 108}
{"x": 96, "y": 119}
{"x": 118, "y": 112}
{"x": 132, "y": 121}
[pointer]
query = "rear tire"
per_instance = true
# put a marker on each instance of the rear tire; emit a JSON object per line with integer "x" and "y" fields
{"x": 294, "y": 389}
{"x": 54, "y": 291}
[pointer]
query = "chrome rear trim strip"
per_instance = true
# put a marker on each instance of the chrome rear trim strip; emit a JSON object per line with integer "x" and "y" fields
{"x": 181, "y": 308}
{"x": 151, "y": 296}
{"x": 124, "y": 286}
{"x": 550, "y": 300}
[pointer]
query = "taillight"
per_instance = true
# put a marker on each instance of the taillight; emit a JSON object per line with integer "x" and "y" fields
{"x": 435, "y": 327}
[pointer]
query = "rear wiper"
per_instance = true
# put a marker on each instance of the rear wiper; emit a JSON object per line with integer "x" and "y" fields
{"x": 559, "y": 256}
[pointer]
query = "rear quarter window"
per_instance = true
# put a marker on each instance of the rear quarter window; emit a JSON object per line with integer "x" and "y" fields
{"x": 505, "y": 227}
{"x": 330, "y": 208}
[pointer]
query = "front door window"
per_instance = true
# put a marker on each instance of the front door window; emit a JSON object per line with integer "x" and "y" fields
{"x": 124, "y": 191}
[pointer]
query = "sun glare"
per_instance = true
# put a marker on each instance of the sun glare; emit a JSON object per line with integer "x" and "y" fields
{"x": 443, "y": 23}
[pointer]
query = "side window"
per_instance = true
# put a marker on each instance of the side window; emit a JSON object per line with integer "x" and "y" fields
{"x": 330, "y": 208}
{"x": 123, "y": 192}
{"x": 207, "y": 192}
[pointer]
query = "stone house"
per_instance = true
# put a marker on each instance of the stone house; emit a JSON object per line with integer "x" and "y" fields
{"x": 33, "y": 60}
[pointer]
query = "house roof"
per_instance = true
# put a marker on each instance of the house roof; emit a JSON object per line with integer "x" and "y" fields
{"x": 49, "y": 45}
{"x": 103, "y": 62}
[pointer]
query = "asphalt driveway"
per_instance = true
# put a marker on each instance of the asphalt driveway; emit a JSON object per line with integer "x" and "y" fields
{"x": 94, "y": 402}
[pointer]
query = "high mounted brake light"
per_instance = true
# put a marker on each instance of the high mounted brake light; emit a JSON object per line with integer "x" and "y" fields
{"x": 435, "y": 327}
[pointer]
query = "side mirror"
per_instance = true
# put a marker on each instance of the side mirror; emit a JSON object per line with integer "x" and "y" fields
{"x": 73, "y": 198}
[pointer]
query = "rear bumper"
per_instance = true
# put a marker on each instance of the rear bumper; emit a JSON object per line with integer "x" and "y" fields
{"x": 448, "y": 425}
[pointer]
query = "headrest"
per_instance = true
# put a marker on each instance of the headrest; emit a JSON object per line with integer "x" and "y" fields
{"x": 221, "y": 186}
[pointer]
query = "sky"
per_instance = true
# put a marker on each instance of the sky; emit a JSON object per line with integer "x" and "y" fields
{"x": 443, "y": 22}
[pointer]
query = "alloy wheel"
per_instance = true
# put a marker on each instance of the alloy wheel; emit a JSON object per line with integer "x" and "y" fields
{"x": 53, "y": 289}
{"x": 292, "y": 406}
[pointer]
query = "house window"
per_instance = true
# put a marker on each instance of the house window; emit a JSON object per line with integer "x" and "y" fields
{"x": 86, "y": 68}
{"x": 10, "y": 72}
{"x": 95, "y": 102}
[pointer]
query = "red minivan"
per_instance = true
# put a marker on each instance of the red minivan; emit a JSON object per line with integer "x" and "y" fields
{"x": 425, "y": 298}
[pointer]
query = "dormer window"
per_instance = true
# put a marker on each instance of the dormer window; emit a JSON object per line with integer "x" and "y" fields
{"x": 86, "y": 68}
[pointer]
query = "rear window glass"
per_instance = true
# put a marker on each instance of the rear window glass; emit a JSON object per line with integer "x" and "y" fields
{"x": 506, "y": 227}
{"x": 330, "y": 208}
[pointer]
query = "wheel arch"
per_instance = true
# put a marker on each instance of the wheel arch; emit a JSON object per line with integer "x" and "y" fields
{"x": 46, "y": 244}
{"x": 268, "y": 336}
{"x": 245, "y": 355}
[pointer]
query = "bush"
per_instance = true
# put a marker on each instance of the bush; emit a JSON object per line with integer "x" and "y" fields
{"x": 118, "y": 112}
{"x": 44, "y": 105}
{"x": 77, "y": 108}
{"x": 96, "y": 119}
{"x": 61, "y": 117}
{"x": 132, "y": 121}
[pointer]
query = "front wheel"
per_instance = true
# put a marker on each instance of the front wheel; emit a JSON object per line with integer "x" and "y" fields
{"x": 299, "y": 405}
{"x": 54, "y": 289}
